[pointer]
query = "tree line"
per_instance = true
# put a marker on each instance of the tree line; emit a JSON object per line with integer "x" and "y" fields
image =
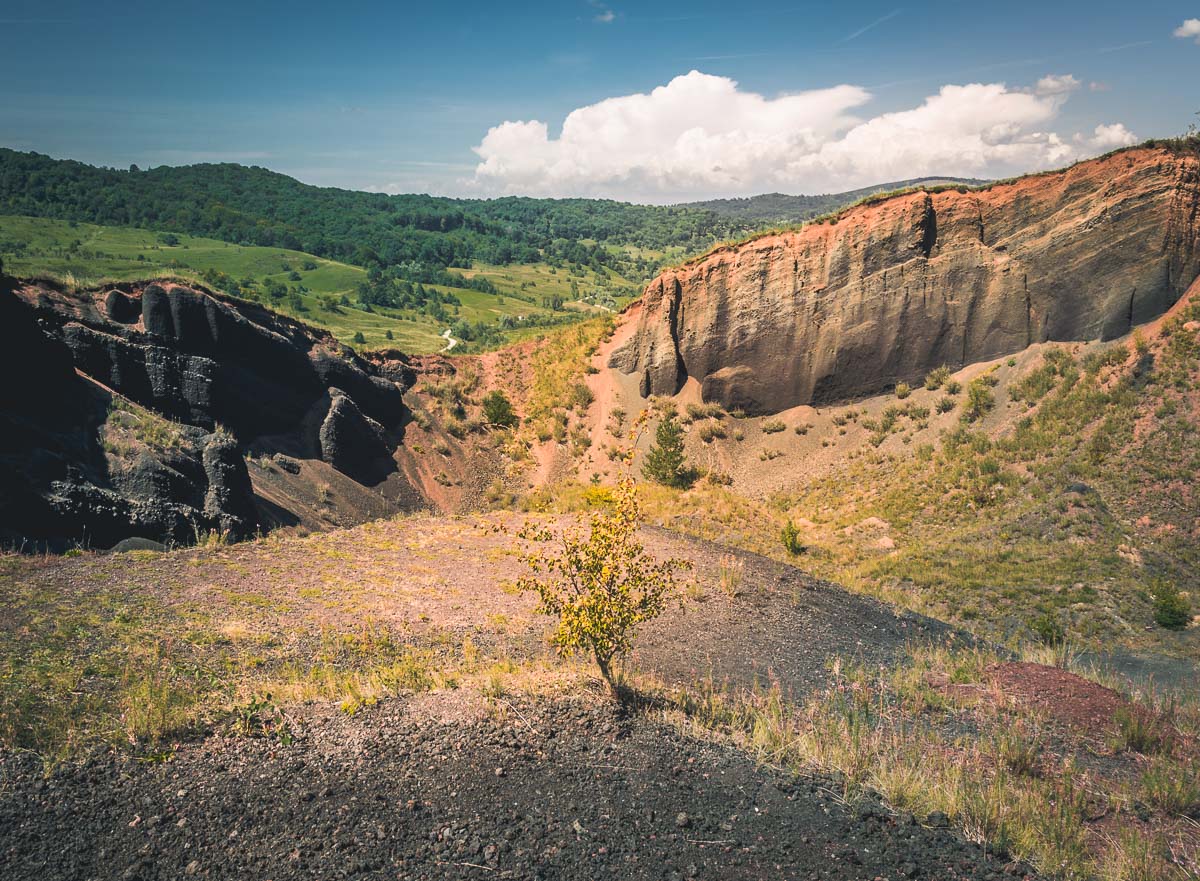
{"x": 256, "y": 206}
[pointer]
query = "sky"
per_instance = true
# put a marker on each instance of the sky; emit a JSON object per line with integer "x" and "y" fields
{"x": 647, "y": 101}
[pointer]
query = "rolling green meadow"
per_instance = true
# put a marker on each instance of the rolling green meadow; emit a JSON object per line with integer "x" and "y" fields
{"x": 87, "y": 254}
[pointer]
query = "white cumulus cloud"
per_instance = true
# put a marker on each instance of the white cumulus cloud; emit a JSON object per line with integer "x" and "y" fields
{"x": 1190, "y": 28}
{"x": 702, "y": 135}
{"x": 1107, "y": 137}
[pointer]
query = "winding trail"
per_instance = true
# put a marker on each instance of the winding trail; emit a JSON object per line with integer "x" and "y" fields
{"x": 451, "y": 342}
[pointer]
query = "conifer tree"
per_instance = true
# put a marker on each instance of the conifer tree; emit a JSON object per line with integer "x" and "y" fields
{"x": 665, "y": 461}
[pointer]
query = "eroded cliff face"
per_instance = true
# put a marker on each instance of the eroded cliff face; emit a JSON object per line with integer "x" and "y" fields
{"x": 890, "y": 290}
{"x": 129, "y": 412}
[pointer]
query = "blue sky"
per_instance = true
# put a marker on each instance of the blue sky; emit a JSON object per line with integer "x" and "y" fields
{"x": 414, "y": 97}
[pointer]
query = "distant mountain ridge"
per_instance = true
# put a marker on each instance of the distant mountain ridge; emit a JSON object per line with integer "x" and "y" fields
{"x": 782, "y": 208}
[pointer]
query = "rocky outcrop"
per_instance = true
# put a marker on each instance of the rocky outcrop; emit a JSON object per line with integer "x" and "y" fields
{"x": 130, "y": 412}
{"x": 352, "y": 442}
{"x": 889, "y": 290}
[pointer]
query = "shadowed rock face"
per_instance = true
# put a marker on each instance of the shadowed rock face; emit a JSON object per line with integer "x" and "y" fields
{"x": 893, "y": 289}
{"x": 229, "y": 376}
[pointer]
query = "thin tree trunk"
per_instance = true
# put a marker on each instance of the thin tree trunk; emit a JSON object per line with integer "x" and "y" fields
{"x": 606, "y": 671}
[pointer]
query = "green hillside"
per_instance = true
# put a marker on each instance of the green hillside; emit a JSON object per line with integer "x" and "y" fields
{"x": 255, "y": 206}
{"x": 314, "y": 287}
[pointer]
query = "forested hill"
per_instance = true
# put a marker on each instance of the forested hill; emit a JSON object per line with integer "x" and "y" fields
{"x": 252, "y": 205}
{"x": 778, "y": 208}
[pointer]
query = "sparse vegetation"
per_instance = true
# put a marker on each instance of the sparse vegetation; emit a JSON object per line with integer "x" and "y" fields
{"x": 498, "y": 410}
{"x": 773, "y": 426}
{"x": 730, "y": 570}
{"x": 937, "y": 377}
{"x": 599, "y": 587}
{"x": 792, "y": 542}
{"x": 704, "y": 411}
{"x": 980, "y": 400}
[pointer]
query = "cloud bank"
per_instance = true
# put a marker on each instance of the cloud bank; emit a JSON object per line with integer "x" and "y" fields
{"x": 1190, "y": 28}
{"x": 701, "y": 135}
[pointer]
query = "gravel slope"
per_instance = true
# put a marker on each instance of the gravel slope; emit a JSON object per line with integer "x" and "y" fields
{"x": 439, "y": 787}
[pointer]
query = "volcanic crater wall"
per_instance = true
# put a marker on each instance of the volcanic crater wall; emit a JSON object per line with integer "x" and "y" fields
{"x": 128, "y": 411}
{"x": 890, "y": 290}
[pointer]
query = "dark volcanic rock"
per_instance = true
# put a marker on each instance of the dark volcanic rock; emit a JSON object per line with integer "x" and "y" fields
{"x": 586, "y": 792}
{"x": 352, "y": 442}
{"x": 229, "y": 498}
{"x": 229, "y": 376}
{"x": 893, "y": 289}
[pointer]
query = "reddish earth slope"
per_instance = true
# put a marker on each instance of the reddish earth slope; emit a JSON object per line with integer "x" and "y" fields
{"x": 888, "y": 290}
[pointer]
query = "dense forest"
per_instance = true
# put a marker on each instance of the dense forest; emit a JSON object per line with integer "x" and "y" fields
{"x": 252, "y": 205}
{"x": 256, "y": 206}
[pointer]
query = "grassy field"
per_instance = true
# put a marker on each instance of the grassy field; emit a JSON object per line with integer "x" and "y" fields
{"x": 87, "y": 254}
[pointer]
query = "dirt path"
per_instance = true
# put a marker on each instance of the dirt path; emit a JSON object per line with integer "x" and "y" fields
{"x": 447, "y": 786}
{"x": 451, "y": 342}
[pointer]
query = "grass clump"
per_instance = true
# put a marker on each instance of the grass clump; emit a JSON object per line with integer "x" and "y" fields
{"x": 980, "y": 400}
{"x": 1172, "y": 787}
{"x": 937, "y": 377}
{"x": 704, "y": 411}
{"x": 1140, "y": 731}
{"x": 774, "y": 426}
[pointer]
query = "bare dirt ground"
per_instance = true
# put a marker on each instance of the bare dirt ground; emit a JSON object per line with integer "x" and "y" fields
{"x": 422, "y": 577}
{"x": 566, "y": 789}
{"x": 455, "y": 784}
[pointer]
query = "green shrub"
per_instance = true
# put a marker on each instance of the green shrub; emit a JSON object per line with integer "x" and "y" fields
{"x": 1048, "y": 629}
{"x": 359, "y": 339}
{"x": 790, "y": 536}
{"x": 979, "y": 400}
{"x": 710, "y": 430}
{"x": 1036, "y": 384}
{"x": 1171, "y": 608}
{"x": 946, "y": 403}
{"x": 581, "y": 396}
{"x": 953, "y": 387}
{"x": 498, "y": 410}
{"x": 600, "y": 586}
{"x": 773, "y": 426}
{"x": 903, "y": 390}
